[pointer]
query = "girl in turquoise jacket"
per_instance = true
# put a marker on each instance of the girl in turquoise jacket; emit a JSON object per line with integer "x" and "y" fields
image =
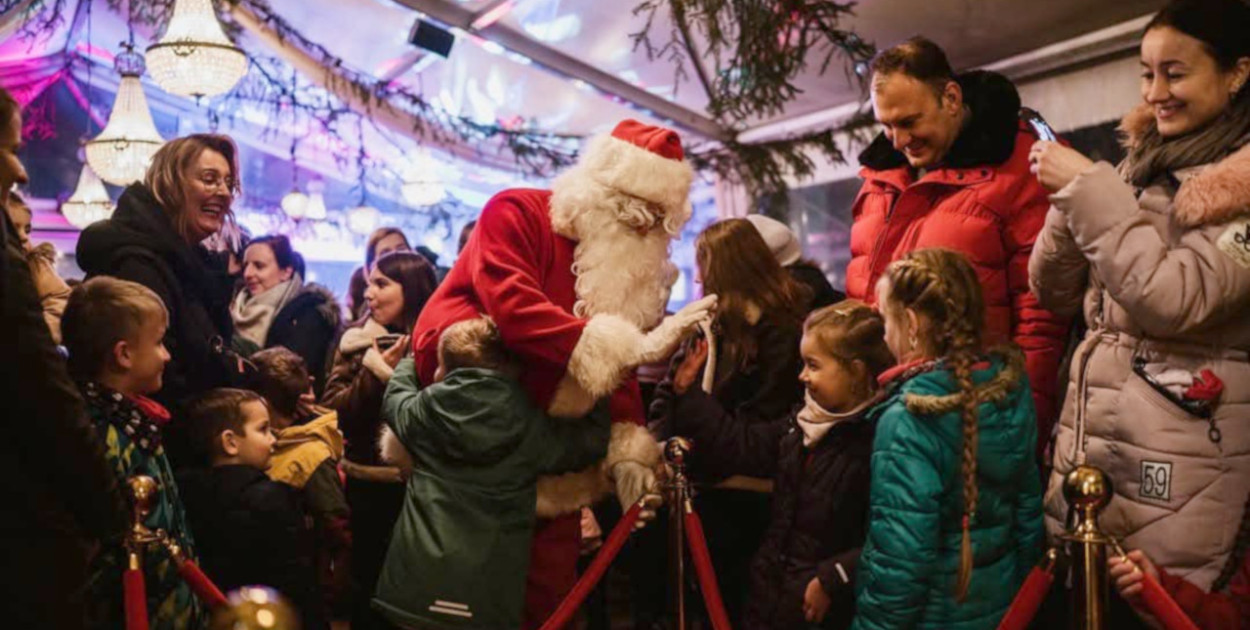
{"x": 955, "y": 510}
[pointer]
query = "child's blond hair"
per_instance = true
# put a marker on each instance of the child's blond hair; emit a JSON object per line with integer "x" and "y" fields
{"x": 472, "y": 343}
{"x": 101, "y": 312}
{"x": 942, "y": 286}
{"x": 851, "y": 331}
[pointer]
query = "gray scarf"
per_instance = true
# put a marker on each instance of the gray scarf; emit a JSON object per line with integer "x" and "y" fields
{"x": 1152, "y": 156}
{"x": 253, "y": 314}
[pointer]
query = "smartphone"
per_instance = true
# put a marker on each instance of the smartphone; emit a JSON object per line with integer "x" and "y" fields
{"x": 387, "y": 341}
{"x": 1044, "y": 131}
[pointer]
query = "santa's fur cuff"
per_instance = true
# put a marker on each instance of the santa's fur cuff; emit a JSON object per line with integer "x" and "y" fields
{"x": 631, "y": 443}
{"x": 609, "y": 345}
{"x": 631, "y": 169}
{"x": 565, "y": 494}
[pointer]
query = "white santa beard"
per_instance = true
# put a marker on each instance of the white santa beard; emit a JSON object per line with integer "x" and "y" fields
{"x": 620, "y": 272}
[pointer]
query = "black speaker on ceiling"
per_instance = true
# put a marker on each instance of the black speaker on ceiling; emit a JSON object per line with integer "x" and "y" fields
{"x": 431, "y": 37}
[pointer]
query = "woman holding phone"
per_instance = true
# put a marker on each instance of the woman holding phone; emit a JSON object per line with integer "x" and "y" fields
{"x": 400, "y": 283}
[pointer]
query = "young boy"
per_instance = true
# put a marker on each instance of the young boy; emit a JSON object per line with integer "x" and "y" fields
{"x": 306, "y": 455}
{"x": 52, "y": 290}
{"x": 113, "y": 331}
{"x": 460, "y": 550}
{"x": 252, "y": 529}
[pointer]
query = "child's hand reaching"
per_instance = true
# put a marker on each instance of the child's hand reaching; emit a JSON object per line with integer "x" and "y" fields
{"x": 1129, "y": 575}
{"x": 815, "y": 602}
{"x": 691, "y": 365}
{"x": 393, "y": 354}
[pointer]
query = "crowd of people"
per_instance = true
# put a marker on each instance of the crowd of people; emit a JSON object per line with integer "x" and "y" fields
{"x": 428, "y": 454}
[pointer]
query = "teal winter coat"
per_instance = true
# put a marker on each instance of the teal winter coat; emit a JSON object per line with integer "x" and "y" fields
{"x": 909, "y": 567}
{"x": 461, "y": 547}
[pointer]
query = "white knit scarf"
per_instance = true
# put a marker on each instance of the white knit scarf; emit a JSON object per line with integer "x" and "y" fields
{"x": 253, "y": 314}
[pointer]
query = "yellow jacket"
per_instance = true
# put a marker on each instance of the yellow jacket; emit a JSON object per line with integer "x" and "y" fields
{"x": 302, "y": 448}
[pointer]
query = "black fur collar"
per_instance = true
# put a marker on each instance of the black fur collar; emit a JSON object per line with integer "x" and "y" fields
{"x": 989, "y": 138}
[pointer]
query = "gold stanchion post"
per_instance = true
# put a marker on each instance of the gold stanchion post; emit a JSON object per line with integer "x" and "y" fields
{"x": 1088, "y": 490}
{"x": 675, "y": 451}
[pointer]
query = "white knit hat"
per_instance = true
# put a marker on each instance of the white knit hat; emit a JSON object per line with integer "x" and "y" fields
{"x": 780, "y": 239}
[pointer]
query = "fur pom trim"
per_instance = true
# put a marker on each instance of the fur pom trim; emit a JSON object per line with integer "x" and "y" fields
{"x": 631, "y": 443}
{"x": 564, "y": 494}
{"x": 1135, "y": 124}
{"x": 374, "y": 362}
{"x": 393, "y": 452}
{"x": 631, "y": 169}
{"x": 1218, "y": 194}
{"x": 609, "y": 345}
{"x": 995, "y": 390}
{"x": 361, "y": 337}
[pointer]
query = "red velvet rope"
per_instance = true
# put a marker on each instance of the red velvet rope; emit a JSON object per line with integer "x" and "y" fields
{"x": 136, "y": 600}
{"x": 707, "y": 577}
{"x": 201, "y": 585}
{"x": 1163, "y": 607}
{"x": 1028, "y": 599}
{"x": 595, "y": 571}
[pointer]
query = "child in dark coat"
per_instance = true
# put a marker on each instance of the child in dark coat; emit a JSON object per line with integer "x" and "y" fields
{"x": 461, "y": 548}
{"x": 801, "y": 575}
{"x": 113, "y": 330}
{"x": 252, "y": 530}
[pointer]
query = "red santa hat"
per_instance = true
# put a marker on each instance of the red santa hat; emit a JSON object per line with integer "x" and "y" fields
{"x": 641, "y": 160}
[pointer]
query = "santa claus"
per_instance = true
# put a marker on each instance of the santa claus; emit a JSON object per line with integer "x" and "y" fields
{"x": 577, "y": 278}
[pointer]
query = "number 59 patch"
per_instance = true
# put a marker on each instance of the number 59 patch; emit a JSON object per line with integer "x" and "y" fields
{"x": 1156, "y": 481}
{"x": 1235, "y": 242}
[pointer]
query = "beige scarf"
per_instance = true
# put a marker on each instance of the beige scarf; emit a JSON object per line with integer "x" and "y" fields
{"x": 253, "y": 314}
{"x": 1151, "y": 155}
{"x": 816, "y": 421}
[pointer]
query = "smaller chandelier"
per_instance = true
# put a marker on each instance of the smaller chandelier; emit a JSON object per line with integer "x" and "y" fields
{"x": 120, "y": 155}
{"x": 295, "y": 204}
{"x": 421, "y": 184}
{"x": 195, "y": 58}
{"x": 363, "y": 220}
{"x": 316, "y": 208}
{"x": 90, "y": 201}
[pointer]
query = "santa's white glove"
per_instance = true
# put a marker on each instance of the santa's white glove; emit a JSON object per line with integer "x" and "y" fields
{"x": 634, "y": 483}
{"x": 662, "y": 342}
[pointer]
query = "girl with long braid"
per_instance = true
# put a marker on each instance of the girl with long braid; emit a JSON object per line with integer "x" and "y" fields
{"x": 955, "y": 511}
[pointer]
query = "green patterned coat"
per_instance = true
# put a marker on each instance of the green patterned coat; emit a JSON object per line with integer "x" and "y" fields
{"x": 130, "y": 429}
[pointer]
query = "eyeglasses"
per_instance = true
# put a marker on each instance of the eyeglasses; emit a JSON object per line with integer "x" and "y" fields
{"x": 211, "y": 180}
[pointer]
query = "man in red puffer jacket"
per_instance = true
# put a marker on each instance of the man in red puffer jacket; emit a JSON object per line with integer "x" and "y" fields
{"x": 951, "y": 170}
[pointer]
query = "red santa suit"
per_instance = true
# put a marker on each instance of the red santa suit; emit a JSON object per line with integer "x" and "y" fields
{"x": 573, "y": 277}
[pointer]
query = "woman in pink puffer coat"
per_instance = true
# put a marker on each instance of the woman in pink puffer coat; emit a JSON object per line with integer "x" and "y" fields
{"x": 1159, "y": 254}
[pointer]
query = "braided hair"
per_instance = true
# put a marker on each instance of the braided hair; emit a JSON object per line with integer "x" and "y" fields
{"x": 941, "y": 287}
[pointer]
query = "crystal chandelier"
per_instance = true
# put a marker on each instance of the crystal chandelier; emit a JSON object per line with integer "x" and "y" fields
{"x": 89, "y": 203}
{"x": 120, "y": 155}
{"x": 421, "y": 184}
{"x": 295, "y": 204}
{"x": 195, "y": 58}
{"x": 363, "y": 220}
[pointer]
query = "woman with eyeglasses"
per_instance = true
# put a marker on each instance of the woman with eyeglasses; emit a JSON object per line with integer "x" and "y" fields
{"x": 155, "y": 238}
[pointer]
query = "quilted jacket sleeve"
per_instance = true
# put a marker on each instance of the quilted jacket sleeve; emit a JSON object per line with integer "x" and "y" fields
{"x": 1167, "y": 289}
{"x": 728, "y": 443}
{"x": 1058, "y": 271}
{"x": 904, "y": 525}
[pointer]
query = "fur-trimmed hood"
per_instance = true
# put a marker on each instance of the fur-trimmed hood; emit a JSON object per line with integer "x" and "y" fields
{"x": 989, "y": 138}
{"x": 1213, "y": 194}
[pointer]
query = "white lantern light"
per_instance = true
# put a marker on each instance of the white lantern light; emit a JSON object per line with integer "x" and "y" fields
{"x": 120, "y": 155}
{"x": 295, "y": 204}
{"x": 195, "y": 58}
{"x": 422, "y": 185}
{"x": 90, "y": 201}
{"x": 316, "y": 208}
{"x": 363, "y": 219}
